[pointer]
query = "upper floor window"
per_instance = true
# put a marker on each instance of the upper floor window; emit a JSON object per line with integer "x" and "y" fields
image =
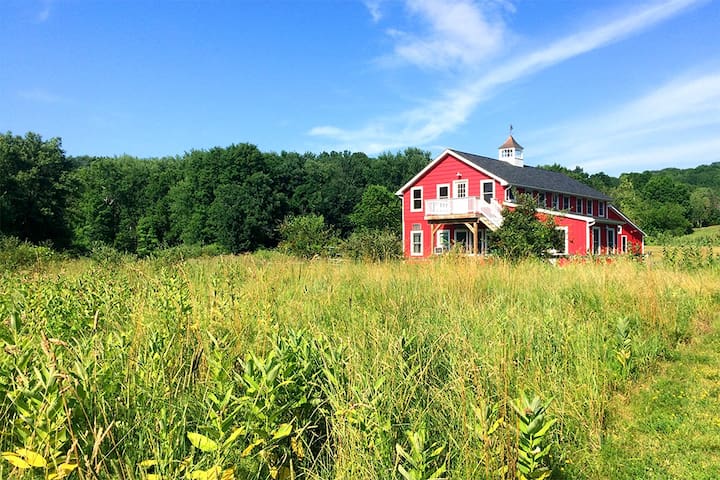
{"x": 589, "y": 206}
{"x": 541, "y": 200}
{"x": 460, "y": 188}
{"x": 510, "y": 194}
{"x": 488, "y": 190}
{"x": 601, "y": 209}
{"x": 555, "y": 201}
{"x": 416, "y": 198}
{"x": 578, "y": 205}
{"x": 443, "y": 191}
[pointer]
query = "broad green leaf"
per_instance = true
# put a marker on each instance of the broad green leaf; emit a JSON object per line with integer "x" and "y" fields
{"x": 282, "y": 431}
{"x": 202, "y": 442}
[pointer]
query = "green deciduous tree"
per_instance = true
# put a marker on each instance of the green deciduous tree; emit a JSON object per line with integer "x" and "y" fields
{"x": 33, "y": 192}
{"x": 522, "y": 234}
{"x": 306, "y": 236}
{"x": 378, "y": 209}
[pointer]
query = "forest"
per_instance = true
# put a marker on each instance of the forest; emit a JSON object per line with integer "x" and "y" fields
{"x": 238, "y": 198}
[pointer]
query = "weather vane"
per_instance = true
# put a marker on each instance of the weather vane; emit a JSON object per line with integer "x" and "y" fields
{"x": 511, "y": 129}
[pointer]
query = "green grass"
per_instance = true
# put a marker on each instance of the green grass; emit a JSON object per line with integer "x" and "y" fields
{"x": 142, "y": 350}
{"x": 668, "y": 427}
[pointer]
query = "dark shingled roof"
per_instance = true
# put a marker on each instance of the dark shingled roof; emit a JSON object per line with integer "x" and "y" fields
{"x": 533, "y": 178}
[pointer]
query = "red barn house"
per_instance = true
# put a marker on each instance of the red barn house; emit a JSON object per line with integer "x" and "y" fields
{"x": 458, "y": 197}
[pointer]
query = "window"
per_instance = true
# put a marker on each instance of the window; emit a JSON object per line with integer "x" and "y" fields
{"x": 555, "y": 201}
{"x": 416, "y": 243}
{"x": 443, "y": 191}
{"x": 463, "y": 238}
{"x": 623, "y": 244}
{"x": 566, "y": 202}
{"x": 563, "y": 232}
{"x": 601, "y": 209}
{"x": 611, "y": 237}
{"x": 541, "y": 200}
{"x": 416, "y": 195}
{"x": 488, "y": 190}
{"x": 578, "y": 205}
{"x": 510, "y": 194}
{"x": 443, "y": 241}
{"x": 460, "y": 188}
{"x": 589, "y": 207}
{"x": 596, "y": 240}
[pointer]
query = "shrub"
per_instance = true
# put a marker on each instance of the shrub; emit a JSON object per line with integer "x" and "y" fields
{"x": 307, "y": 236}
{"x": 15, "y": 253}
{"x": 373, "y": 245}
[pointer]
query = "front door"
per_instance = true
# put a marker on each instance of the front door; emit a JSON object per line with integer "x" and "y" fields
{"x": 463, "y": 239}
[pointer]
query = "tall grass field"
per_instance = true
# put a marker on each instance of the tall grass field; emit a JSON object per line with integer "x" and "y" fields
{"x": 264, "y": 366}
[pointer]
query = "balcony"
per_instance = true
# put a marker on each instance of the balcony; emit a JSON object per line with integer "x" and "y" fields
{"x": 464, "y": 208}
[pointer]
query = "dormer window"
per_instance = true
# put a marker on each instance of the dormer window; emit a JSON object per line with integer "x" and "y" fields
{"x": 601, "y": 209}
{"x": 510, "y": 194}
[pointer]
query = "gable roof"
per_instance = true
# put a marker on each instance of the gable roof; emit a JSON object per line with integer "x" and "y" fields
{"x": 533, "y": 177}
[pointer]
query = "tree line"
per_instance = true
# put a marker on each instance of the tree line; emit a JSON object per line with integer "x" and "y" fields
{"x": 235, "y": 196}
{"x": 238, "y": 197}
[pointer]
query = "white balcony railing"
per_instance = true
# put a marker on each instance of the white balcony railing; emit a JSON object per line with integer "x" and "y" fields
{"x": 464, "y": 206}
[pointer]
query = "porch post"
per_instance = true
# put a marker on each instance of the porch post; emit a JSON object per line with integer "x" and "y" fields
{"x": 473, "y": 227}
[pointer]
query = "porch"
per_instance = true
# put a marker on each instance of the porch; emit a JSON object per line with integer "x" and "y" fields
{"x": 472, "y": 209}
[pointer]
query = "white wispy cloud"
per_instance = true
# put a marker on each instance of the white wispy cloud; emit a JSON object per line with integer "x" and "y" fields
{"x": 457, "y": 32}
{"x": 425, "y": 123}
{"x": 373, "y": 7}
{"x": 674, "y": 124}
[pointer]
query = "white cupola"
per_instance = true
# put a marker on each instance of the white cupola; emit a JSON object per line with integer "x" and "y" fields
{"x": 511, "y": 152}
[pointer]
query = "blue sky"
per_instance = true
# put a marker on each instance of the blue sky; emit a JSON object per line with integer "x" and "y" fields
{"x": 610, "y": 86}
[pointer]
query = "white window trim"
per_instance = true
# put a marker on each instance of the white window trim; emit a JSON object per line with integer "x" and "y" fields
{"x": 412, "y": 199}
{"x": 567, "y": 243}
{"x": 601, "y": 209}
{"x": 623, "y": 244}
{"x": 482, "y": 189}
{"x": 599, "y": 238}
{"x": 541, "y": 203}
{"x": 437, "y": 190}
{"x": 413, "y": 253}
{"x": 455, "y": 188}
{"x": 589, "y": 207}
{"x": 566, "y": 198}
{"x": 555, "y": 201}
{"x": 611, "y": 232}
{"x": 439, "y": 247}
{"x": 579, "y": 205}
{"x": 509, "y": 194}
{"x": 468, "y": 244}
